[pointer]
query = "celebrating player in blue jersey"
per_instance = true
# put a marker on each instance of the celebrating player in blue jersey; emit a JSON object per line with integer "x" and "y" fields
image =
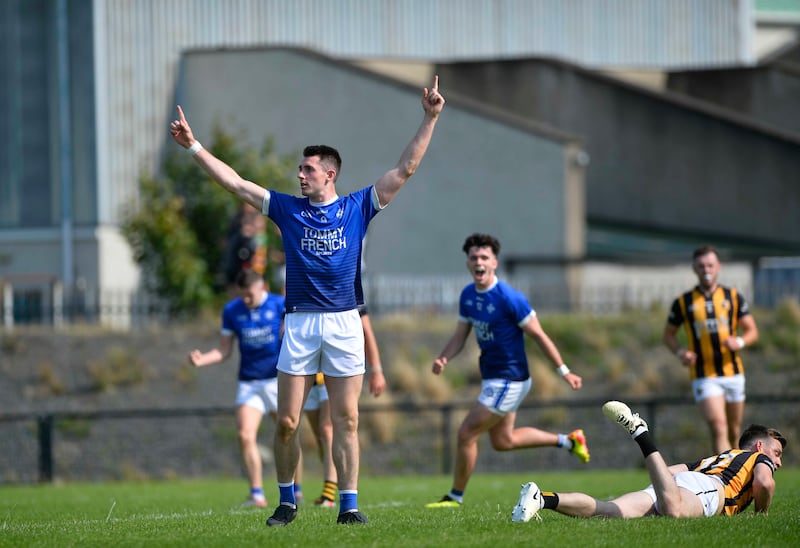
{"x": 255, "y": 319}
{"x": 501, "y": 317}
{"x": 322, "y": 236}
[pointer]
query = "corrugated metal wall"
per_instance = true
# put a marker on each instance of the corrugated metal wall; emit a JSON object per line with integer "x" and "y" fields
{"x": 138, "y": 44}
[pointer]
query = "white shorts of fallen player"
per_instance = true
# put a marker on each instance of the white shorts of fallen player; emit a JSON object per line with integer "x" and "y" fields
{"x": 702, "y": 485}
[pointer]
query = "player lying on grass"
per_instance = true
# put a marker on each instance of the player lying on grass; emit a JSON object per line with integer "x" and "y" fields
{"x": 720, "y": 484}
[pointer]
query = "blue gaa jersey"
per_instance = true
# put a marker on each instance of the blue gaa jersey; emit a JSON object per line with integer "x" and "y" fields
{"x": 258, "y": 331}
{"x": 497, "y": 315}
{"x": 323, "y": 248}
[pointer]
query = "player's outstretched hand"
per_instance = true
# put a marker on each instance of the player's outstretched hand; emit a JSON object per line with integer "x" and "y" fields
{"x": 432, "y": 101}
{"x": 180, "y": 130}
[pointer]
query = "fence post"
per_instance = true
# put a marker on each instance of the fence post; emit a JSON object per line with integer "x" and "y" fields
{"x": 57, "y": 298}
{"x": 8, "y": 306}
{"x": 447, "y": 439}
{"x": 45, "y": 427}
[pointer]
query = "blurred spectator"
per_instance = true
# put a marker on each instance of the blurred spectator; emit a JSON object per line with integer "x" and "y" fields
{"x": 246, "y": 245}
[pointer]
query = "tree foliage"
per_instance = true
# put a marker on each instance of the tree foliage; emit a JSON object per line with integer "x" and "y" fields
{"x": 179, "y": 226}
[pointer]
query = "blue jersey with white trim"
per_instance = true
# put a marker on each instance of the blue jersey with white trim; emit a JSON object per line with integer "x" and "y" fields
{"x": 497, "y": 315}
{"x": 258, "y": 332}
{"x": 323, "y": 248}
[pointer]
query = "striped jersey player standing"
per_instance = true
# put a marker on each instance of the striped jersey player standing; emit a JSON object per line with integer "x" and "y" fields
{"x": 322, "y": 235}
{"x": 712, "y": 315}
{"x": 501, "y": 317}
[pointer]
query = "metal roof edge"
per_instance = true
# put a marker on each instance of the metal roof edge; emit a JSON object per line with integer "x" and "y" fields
{"x": 453, "y": 99}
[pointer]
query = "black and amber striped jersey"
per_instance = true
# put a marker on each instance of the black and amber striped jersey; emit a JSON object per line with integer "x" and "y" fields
{"x": 735, "y": 469}
{"x": 709, "y": 321}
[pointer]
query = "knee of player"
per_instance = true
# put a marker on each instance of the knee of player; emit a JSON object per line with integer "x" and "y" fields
{"x": 502, "y": 443}
{"x": 247, "y": 436}
{"x": 670, "y": 507}
{"x": 325, "y": 433}
{"x": 469, "y": 433}
{"x": 286, "y": 426}
{"x": 346, "y": 423}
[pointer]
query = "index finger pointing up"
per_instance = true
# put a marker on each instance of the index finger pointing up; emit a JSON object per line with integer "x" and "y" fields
{"x": 180, "y": 115}
{"x": 435, "y": 83}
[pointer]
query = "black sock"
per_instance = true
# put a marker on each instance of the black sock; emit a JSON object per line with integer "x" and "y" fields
{"x": 646, "y": 443}
{"x": 550, "y": 500}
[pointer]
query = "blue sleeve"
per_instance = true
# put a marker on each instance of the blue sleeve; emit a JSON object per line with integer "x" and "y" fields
{"x": 519, "y": 306}
{"x": 462, "y": 309}
{"x": 228, "y": 323}
{"x": 277, "y": 205}
{"x": 367, "y": 207}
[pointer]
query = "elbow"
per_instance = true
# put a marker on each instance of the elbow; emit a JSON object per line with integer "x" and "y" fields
{"x": 408, "y": 168}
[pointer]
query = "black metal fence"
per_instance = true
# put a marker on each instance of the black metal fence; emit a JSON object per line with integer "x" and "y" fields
{"x": 395, "y": 439}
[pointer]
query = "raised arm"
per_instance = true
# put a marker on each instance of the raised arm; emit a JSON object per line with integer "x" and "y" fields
{"x": 388, "y": 185}
{"x": 218, "y": 170}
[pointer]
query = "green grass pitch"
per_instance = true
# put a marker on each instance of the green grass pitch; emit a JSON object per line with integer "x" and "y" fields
{"x": 206, "y": 513}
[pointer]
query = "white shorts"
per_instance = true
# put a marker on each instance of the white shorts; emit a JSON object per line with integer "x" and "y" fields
{"x": 702, "y": 485}
{"x": 501, "y": 396}
{"x": 327, "y": 342}
{"x": 709, "y": 387}
{"x": 262, "y": 395}
{"x": 316, "y": 396}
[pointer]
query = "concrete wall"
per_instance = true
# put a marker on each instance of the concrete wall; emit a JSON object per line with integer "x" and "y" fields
{"x": 484, "y": 171}
{"x": 658, "y": 161}
{"x": 771, "y": 94}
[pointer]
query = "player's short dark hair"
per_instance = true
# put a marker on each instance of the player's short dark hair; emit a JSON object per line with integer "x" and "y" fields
{"x": 704, "y": 250}
{"x": 756, "y": 432}
{"x": 481, "y": 240}
{"x": 247, "y": 277}
{"x": 327, "y": 155}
